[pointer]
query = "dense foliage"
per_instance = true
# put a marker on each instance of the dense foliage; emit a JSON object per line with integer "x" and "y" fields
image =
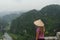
{"x": 52, "y": 17}
{"x": 25, "y": 29}
{"x": 5, "y": 20}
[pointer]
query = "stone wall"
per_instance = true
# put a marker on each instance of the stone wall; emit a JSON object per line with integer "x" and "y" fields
{"x": 57, "y": 37}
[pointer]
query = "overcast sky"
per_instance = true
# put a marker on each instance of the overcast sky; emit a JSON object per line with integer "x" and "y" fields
{"x": 15, "y": 5}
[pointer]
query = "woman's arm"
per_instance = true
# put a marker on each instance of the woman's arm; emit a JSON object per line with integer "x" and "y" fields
{"x": 37, "y": 33}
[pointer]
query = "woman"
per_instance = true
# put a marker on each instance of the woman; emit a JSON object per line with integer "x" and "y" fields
{"x": 40, "y": 29}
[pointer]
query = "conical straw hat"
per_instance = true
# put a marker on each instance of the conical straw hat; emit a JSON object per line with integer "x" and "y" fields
{"x": 38, "y": 23}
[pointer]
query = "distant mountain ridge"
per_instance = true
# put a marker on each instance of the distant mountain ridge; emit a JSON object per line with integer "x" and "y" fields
{"x": 3, "y": 13}
{"x": 7, "y": 19}
{"x": 10, "y": 17}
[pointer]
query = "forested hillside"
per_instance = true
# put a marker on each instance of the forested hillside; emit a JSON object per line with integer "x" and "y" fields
{"x": 24, "y": 28}
{"x": 52, "y": 16}
{"x": 6, "y": 19}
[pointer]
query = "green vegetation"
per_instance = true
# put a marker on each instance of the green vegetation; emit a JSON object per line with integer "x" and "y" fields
{"x": 5, "y": 22}
{"x": 14, "y": 36}
{"x": 1, "y": 34}
{"x": 23, "y": 28}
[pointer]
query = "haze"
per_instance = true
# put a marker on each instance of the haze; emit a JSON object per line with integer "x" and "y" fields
{"x": 24, "y": 5}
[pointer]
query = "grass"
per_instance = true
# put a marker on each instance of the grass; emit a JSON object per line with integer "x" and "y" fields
{"x": 14, "y": 36}
{"x": 1, "y": 35}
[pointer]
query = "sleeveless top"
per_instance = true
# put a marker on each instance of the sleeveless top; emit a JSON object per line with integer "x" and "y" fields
{"x": 41, "y": 34}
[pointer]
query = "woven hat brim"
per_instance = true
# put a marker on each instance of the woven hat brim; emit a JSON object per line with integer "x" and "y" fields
{"x": 38, "y": 23}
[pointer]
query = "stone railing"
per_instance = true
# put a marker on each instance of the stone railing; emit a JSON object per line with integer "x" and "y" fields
{"x": 50, "y": 38}
{"x": 57, "y": 37}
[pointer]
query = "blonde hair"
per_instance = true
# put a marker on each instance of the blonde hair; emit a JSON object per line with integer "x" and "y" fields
{"x": 42, "y": 29}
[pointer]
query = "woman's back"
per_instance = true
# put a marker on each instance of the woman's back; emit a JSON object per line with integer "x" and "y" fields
{"x": 41, "y": 33}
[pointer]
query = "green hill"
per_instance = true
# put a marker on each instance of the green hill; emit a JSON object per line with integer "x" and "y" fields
{"x": 25, "y": 29}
